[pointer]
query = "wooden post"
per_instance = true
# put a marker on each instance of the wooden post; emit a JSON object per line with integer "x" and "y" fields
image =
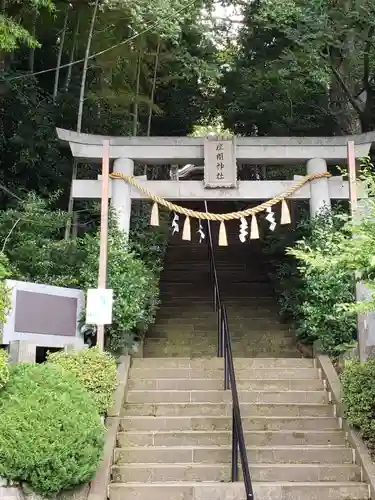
{"x": 102, "y": 280}
{"x": 352, "y": 178}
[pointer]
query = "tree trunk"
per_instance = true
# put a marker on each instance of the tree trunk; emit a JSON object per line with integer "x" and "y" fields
{"x": 137, "y": 85}
{"x": 80, "y": 113}
{"x": 72, "y": 52}
{"x": 59, "y": 55}
{"x": 85, "y": 67}
{"x": 153, "y": 88}
{"x": 32, "y": 49}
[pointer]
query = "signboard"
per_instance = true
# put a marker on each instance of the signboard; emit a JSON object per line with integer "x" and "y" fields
{"x": 99, "y": 306}
{"x": 220, "y": 166}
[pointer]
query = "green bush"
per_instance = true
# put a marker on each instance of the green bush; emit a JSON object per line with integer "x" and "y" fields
{"x": 5, "y": 298}
{"x": 51, "y": 436}
{"x": 4, "y": 368}
{"x": 358, "y": 381}
{"x": 34, "y": 244}
{"x": 135, "y": 289}
{"x": 96, "y": 371}
{"x": 313, "y": 298}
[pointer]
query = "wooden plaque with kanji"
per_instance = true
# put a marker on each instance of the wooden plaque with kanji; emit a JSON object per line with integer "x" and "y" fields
{"x": 220, "y": 166}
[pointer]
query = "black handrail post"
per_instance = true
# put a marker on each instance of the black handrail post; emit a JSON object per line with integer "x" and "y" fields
{"x": 219, "y": 333}
{"x": 226, "y": 353}
{"x": 234, "y": 449}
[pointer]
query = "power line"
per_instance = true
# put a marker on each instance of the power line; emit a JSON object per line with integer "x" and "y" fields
{"x": 104, "y": 51}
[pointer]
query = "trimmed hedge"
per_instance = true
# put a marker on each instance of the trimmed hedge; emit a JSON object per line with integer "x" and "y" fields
{"x": 358, "y": 381}
{"x": 51, "y": 436}
{"x": 4, "y": 368}
{"x": 96, "y": 371}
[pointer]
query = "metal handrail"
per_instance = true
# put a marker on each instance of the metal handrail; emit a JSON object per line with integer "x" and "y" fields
{"x": 224, "y": 350}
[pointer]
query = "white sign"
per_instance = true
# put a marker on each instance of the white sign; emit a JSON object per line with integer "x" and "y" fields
{"x": 99, "y": 306}
{"x": 220, "y": 166}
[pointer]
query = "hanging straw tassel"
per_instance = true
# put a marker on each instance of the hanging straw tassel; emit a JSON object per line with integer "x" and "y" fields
{"x": 285, "y": 214}
{"x": 154, "y": 215}
{"x": 254, "y": 230}
{"x": 223, "y": 241}
{"x": 186, "y": 232}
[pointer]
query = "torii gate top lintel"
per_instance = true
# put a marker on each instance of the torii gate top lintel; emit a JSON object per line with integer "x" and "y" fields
{"x": 182, "y": 150}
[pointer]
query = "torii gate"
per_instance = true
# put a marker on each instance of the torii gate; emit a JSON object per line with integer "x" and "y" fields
{"x": 315, "y": 152}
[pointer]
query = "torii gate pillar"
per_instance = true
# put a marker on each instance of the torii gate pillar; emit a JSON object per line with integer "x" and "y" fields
{"x": 121, "y": 195}
{"x": 319, "y": 189}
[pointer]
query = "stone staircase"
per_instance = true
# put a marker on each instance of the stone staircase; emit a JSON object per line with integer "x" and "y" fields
{"x": 186, "y": 324}
{"x": 175, "y": 439}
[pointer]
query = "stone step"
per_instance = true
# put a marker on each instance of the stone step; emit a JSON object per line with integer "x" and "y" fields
{"x": 198, "y": 293}
{"x": 230, "y": 301}
{"x": 224, "y": 438}
{"x": 219, "y": 423}
{"x": 243, "y": 288}
{"x": 174, "y": 351}
{"x": 211, "y": 320}
{"x": 240, "y": 308}
{"x": 209, "y": 314}
{"x": 171, "y": 348}
{"x": 179, "y": 302}
{"x": 217, "y": 384}
{"x": 238, "y": 327}
{"x": 261, "y": 347}
{"x": 184, "y": 271}
{"x": 218, "y": 363}
{"x": 286, "y": 397}
{"x": 223, "y": 454}
{"x": 149, "y": 473}
{"x": 226, "y": 277}
{"x": 235, "y": 491}
{"x": 223, "y": 409}
{"x": 238, "y": 348}
{"x": 190, "y": 334}
{"x": 244, "y": 373}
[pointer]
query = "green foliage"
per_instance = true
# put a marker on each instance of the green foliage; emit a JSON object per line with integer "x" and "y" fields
{"x": 135, "y": 288}
{"x": 4, "y": 368}
{"x": 51, "y": 436}
{"x": 5, "y": 299}
{"x": 12, "y": 33}
{"x": 96, "y": 371}
{"x": 353, "y": 250}
{"x": 262, "y": 93}
{"x": 359, "y": 397}
{"x": 31, "y": 158}
{"x": 318, "y": 310}
{"x": 32, "y": 235}
{"x": 309, "y": 298}
{"x": 148, "y": 243}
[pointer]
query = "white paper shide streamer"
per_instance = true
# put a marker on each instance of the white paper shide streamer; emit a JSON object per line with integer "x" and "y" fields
{"x": 175, "y": 226}
{"x": 243, "y": 229}
{"x": 271, "y": 218}
{"x": 201, "y": 232}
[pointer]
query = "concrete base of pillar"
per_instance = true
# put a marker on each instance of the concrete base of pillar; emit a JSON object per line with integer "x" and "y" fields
{"x": 22, "y": 351}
